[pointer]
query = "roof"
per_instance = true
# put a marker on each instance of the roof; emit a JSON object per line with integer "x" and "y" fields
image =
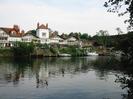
{"x": 12, "y": 32}
{"x": 64, "y": 36}
{"x": 29, "y": 33}
{"x": 7, "y": 30}
{"x": 42, "y": 27}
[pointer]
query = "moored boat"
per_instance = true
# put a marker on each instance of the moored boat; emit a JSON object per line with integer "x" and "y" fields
{"x": 92, "y": 54}
{"x": 65, "y": 55}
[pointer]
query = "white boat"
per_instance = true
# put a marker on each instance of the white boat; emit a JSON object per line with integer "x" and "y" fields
{"x": 92, "y": 54}
{"x": 65, "y": 55}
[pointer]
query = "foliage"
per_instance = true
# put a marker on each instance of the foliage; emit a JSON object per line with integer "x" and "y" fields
{"x": 22, "y": 49}
{"x": 43, "y": 46}
{"x": 126, "y": 46}
{"x": 85, "y": 36}
{"x": 74, "y": 51}
{"x": 33, "y": 32}
{"x": 5, "y": 52}
{"x": 54, "y": 50}
{"x": 103, "y": 38}
{"x": 119, "y": 31}
{"x": 121, "y": 7}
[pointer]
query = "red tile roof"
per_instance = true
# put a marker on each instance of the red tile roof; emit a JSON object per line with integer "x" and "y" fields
{"x": 13, "y": 32}
{"x": 42, "y": 26}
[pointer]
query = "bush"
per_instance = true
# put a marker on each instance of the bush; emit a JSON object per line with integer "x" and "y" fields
{"x": 23, "y": 49}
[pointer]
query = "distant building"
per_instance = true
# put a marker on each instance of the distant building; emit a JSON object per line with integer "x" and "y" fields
{"x": 29, "y": 37}
{"x": 43, "y": 34}
{"x": 10, "y": 35}
{"x": 56, "y": 39}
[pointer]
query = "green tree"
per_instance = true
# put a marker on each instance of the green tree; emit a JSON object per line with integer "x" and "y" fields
{"x": 85, "y": 36}
{"x": 23, "y": 49}
{"x": 126, "y": 46}
{"x": 123, "y": 7}
{"x": 102, "y": 37}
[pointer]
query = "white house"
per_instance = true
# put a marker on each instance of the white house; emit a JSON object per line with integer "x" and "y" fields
{"x": 3, "y": 38}
{"x": 14, "y": 39}
{"x": 42, "y": 32}
{"x": 28, "y": 37}
{"x": 43, "y": 35}
{"x": 10, "y": 35}
{"x": 56, "y": 39}
{"x": 72, "y": 41}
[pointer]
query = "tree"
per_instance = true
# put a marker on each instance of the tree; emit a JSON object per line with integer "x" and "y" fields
{"x": 23, "y": 49}
{"x": 119, "y": 31}
{"x": 85, "y": 36}
{"x": 33, "y": 32}
{"x": 102, "y": 37}
{"x": 121, "y": 7}
{"x": 126, "y": 46}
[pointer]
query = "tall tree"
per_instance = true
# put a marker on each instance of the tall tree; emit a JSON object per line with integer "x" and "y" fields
{"x": 102, "y": 37}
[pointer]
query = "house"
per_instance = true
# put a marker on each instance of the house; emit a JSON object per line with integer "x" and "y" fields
{"x": 29, "y": 37}
{"x": 73, "y": 41}
{"x": 10, "y": 35}
{"x": 55, "y": 38}
{"x": 42, "y": 32}
{"x": 87, "y": 43}
{"x": 3, "y": 38}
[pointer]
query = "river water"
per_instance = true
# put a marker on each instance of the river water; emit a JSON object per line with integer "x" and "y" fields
{"x": 60, "y": 78}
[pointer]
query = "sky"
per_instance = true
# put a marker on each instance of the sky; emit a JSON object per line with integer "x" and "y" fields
{"x": 64, "y": 16}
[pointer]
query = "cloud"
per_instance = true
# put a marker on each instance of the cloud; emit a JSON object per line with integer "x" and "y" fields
{"x": 88, "y": 20}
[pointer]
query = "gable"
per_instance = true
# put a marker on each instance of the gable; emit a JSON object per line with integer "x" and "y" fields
{"x": 57, "y": 38}
{"x": 28, "y": 35}
{"x": 3, "y": 33}
{"x": 72, "y": 39}
{"x": 13, "y": 33}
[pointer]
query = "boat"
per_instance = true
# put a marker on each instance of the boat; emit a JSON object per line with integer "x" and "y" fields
{"x": 65, "y": 55}
{"x": 92, "y": 54}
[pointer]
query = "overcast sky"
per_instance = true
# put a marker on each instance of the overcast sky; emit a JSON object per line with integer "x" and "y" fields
{"x": 65, "y": 16}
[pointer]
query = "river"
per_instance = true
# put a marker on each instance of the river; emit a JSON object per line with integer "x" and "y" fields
{"x": 60, "y": 78}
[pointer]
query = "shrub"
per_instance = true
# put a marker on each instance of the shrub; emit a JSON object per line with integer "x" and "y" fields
{"x": 22, "y": 49}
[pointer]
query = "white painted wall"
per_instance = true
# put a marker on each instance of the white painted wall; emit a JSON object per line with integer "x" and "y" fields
{"x": 29, "y": 38}
{"x": 14, "y": 39}
{"x": 71, "y": 39}
{"x": 44, "y": 41}
{"x": 3, "y": 33}
{"x": 55, "y": 39}
{"x": 43, "y": 33}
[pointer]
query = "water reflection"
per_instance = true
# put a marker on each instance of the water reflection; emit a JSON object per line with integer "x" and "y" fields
{"x": 126, "y": 80}
{"x": 38, "y": 73}
{"x": 14, "y": 70}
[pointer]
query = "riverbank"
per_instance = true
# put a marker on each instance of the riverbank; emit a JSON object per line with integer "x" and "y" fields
{"x": 42, "y": 52}
{"x": 50, "y": 52}
{"x": 6, "y": 52}
{"x": 22, "y": 49}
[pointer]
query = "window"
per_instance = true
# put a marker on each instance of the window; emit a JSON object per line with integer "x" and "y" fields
{"x": 43, "y": 34}
{"x": 2, "y": 33}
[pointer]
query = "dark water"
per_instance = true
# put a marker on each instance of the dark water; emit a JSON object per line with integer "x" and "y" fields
{"x": 60, "y": 78}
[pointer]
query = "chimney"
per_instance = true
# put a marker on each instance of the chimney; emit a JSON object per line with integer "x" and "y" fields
{"x": 22, "y": 32}
{"x": 47, "y": 25}
{"x": 16, "y": 27}
{"x": 37, "y": 25}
